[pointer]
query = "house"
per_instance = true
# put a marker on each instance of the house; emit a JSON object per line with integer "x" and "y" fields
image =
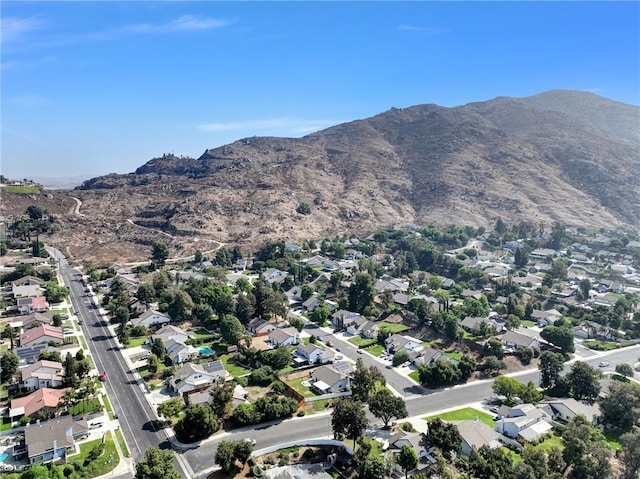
{"x": 36, "y": 319}
{"x": 42, "y": 334}
{"x": 43, "y": 399}
{"x": 191, "y": 377}
{"x": 284, "y": 337}
{"x": 259, "y": 327}
{"x": 309, "y": 353}
{"x": 429, "y": 355}
{"x": 474, "y": 324}
{"x": 398, "y": 342}
{"x": 53, "y": 440}
{"x": 294, "y": 295}
{"x": 41, "y": 374}
{"x": 564, "y": 409}
{"x": 30, "y": 354}
{"x": 32, "y": 304}
{"x": 312, "y": 302}
{"x": 29, "y": 280}
{"x": 274, "y": 276}
{"x": 525, "y": 422}
{"x": 341, "y": 318}
{"x": 360, "y": 326}
{"x": 26, "y": 290}
{"x": 323, "y": 263}
{"x": 512, "y": 340}
{"x": 476, "y": 434}
{"x": 542, "y": 253}
{"x": 387, "y": 283}
{"x": 179, "y": 352}
{"x": 417, "y": 441}
{"x": 545, "y": 318}
{"x": 169, "y": 332}
{"x": 327, "y": 380}
{"x": 150, "y": 318}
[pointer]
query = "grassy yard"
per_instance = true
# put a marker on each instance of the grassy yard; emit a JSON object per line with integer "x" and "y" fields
{"x": 107, "y": 405}
{"x": 528, "y": 323}
{"x": 23, "y": 190}
{"x": 415, "y": 375}
{"x": 85, "y": 406}
{"x": 135, "y": 342}
{"x": 376, "y": 349}
{"x": 549, "y": 443}
{"x": 103, "y": 464}
{"x": 393, "y": 328}
{"x": 301, "y": 388}
{"x": 122, "y": 443}
{"x": 5, "y": 425}
{"x": 83, "y": 342}
{"x": 233, "y": 369}
{"x": 465, "y": 413}
{"x": 361, "y": 342}
{"x": 601, "y": 345}
{"x": 613, "y": 439}
{"x": 453, "y": 354}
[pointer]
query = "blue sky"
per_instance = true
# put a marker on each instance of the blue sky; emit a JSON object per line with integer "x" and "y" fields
{"x": 90, "y": 88}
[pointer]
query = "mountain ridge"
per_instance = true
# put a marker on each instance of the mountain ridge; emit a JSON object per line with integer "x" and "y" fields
{"x": 565, "y": 156}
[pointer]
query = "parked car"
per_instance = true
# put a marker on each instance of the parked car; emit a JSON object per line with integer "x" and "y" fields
{"x": 603, "y": 364}
{"x": 103, "y": 377}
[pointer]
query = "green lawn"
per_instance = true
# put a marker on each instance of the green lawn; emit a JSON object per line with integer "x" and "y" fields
{"x": 393, "y": 328}
{"x": 415, "y": 375}
{"x": 83, "y": 342}
{"x": 6, "y": 424}
{"x": 550, "y": 442}
{"x": 528, "y": 323}
{"x": 465, "y": 413}
{"x": 135, "y": 342}
{"x": 361, "y": 342}
{"x": 107, "y": 405}
{"x": 613, "y": 439}
{"x": 23, "y": 190}
{"x": 107, "y": 462}
{"x": 469, "y": 336}
{"x": 302, "y": 389}
{"x": 376, "y": 349}
{"x": 600, "y": 345}
{"x": 122, "y": 443}
{"x": 232, "y": 368}
{"x": 85, "y": 406}
{"x": 454, "y": 354}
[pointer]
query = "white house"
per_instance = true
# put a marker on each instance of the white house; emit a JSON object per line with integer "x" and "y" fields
{"x": 512, "y": 340}
{"x": 309, "y": 353}
{"x": 284, "y": 337}
{"x": 476, "y": 434}
{"x": 398, "y": 342}
{"x": 192, "y": 377}
{"x": 179, "y": 352}
{"x": 326, "y": 380}
{"x": 151, "y": 317}
{"x": 42, "y": 374}
{"x": 524, "y": 422}
{"x": 169, "y": 331}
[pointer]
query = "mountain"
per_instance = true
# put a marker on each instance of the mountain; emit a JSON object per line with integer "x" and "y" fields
{"x": 566, "y": 156}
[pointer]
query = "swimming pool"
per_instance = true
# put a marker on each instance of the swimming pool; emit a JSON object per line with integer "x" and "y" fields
{"x": 206, "y": 351}
{"x": 3, "y": 456}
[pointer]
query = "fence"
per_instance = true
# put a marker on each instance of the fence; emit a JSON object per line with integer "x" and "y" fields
{"x": 328, "y": 396}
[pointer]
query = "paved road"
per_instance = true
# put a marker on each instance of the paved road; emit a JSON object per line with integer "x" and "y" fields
{"x": 134, "y": 412}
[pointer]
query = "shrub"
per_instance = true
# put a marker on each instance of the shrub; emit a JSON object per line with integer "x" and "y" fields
{"x": 303, "y": 208}
{"x": 308, "y": 454}
{"x": 270, "y": 460}
{"x": 301, "y": 413}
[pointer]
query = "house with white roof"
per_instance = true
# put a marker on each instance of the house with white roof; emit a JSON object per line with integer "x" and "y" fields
{"x": 150, "y": 318}
{"x": 399, "y": 342}
{"x": 327, "y": 379}
{"x": 524, "y": 422}
{"x": 475, "y": 434}
{"x": 512, "y": 340}
{"x": 280, "y": 337}
{"x": 192, "y": 377}
{"x": 41, "y": 374}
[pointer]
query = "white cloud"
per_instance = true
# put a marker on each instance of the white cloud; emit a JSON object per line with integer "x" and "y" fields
{"x": 13, "y": 28}
{"x": 294, "y": 125}
{"x": 185, "y": 23}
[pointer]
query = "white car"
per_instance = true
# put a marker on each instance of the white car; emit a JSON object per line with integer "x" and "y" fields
{"x": 603, "y": 364}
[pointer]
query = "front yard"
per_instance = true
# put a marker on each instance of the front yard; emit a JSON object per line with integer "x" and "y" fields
{"x": 463, "y": 414}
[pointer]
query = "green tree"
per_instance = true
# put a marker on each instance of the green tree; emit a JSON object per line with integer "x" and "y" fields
{"x": 157, "y": 348}
{"x": 365, "y": 380}
{"x": 320, "y": 315}
{"x": 407, "y": 459}
{"x": 156, "y": 464}
{"x": 70, "y": 378}
{"x": 123, "y": 334}
{"x": 584, "y": 381}
{"x": 244, "y": 308}
{"x": 153, "y": 363}
{"x": 349, "y": 419}
{"x": 537, "y": 460}
{"x": 303, "y": 208}
{"x": 181, "y": 306}
{"x": 170, "y": 408}
{"x": 231, "y": 329}
{"x": 585, "y": 288}
{"x": 400, "y": 357}
{"x": 225, "y": 457}
{"x": 198, "y": 423}
{"x": 56, "y": 320}
{"x": 630, "y": 455}
{"x": 561, "y": 337}
{"x": 493, "y": 347}
{"x": 507, "y": 387}
{"x": 445, "y": 436}
{"x": 159, "y": 253}
{"x": 558, "y": 269}
{"x": 361, "y": 293}
{"x": 551, "y": 365}
{"x": 384, "y": 405}
{"x": 146, "y": 293}
{"x": 621, "y": 407}
{"x": 374, "y": 468}
{"x": 306, "y": 292}
{"x": 9, "y": 364}
{"x": 625, "y": 370}
{"x": 221, "y": 397}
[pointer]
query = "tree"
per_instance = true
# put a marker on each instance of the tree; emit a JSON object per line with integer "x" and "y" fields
{"x": 157, "y": 348}
{"x": 225, "y": 457}
{"x": 320, "y": 315}
{"x": 584, "y": 288}
{"x": 244, "y": 308}
{"x": 123, "y": 334}
{"x": 9, "y": 364}
{"x": 621, "y": 407}
{"x": 551, "y": 365}
{"x": 306, "y": 292}
{"x": 349, "y": 419}
{"x": 221, "y": 396}
{"x": 146, "y": 293}
{"x": 537, "y": 460}
{"x": 384, "y": 405}
{"x": 507, "y": 387}
{"x": 445, "y": 436}
{"x": 361, "y": 292}
{"x": 558, "y": 269}
{"x": 584, "y": 381}
{"x": 56, "y": 320}
{"x": 70, "y": 372}
{"x": 407, "y": 459}
{"x": 439, "y": 373}
{"x": 181, "y": 306}
{"x": 156, "y": 464}
{"x": 198, "y": 423}
{"x": 400, "y": 357}
{"x": 170, "y": 408}
{"x": 159, "y": 253}
{"x": 374, "y": 468}
{"x": 625, "y": 370}
{"x": 561, "y": 337}
{"x": 365, "y": 379}
{"x": 153, "y": 363}
{"x": 231, "y": 329}
{"x": 530, "y": 393}
{"x": 630, "y": 455}
{"x": 493, "y": 347}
